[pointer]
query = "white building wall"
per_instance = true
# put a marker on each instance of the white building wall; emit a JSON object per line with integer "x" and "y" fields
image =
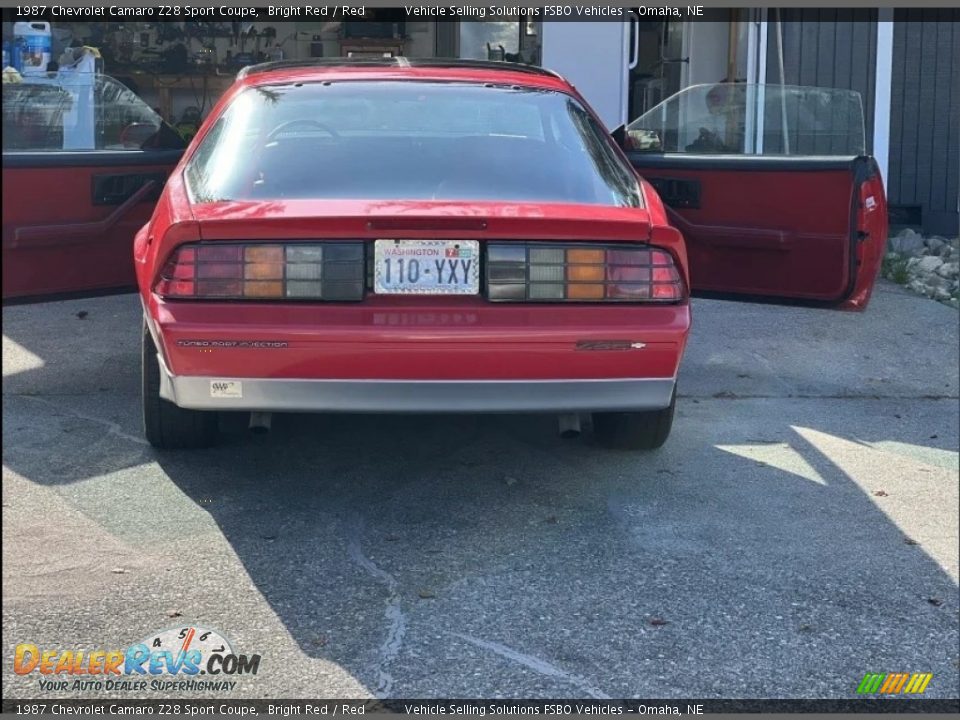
{"x": 593, "y": 57}
{"x": 882, "y": 87}
{"x": 706, "y": 44}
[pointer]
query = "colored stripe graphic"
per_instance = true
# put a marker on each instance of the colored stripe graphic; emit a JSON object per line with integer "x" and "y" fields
{"x": 894, "y": 683}
{"x": 889, "y": 683}
{"x": 901, "y": 681}
{"x": 870, "y": 683}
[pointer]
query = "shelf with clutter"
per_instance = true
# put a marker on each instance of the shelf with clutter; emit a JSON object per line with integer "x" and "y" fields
{"x": 181, "y": 69}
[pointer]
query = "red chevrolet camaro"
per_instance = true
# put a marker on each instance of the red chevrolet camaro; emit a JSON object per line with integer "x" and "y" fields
{"x": 409, "y": 236}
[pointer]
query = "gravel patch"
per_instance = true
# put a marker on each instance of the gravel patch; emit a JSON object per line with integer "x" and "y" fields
{"x": 929, "y": 266}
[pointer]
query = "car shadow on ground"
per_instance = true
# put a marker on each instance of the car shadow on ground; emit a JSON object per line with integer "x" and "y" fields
{"x": 454, "y": 533}
{"x": 771, "y": 548}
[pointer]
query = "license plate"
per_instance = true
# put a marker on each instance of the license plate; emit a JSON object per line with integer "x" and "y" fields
{"x": 426, "y": 267}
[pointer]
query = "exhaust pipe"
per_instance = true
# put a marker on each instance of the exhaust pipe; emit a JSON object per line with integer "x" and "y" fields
{"x": 260, "y": 422}
{"x": 569, "y": 426}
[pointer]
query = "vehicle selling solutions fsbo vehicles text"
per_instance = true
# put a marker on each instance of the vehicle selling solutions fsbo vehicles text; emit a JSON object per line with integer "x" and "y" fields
{"x": 482, "y": 12}
{"x": 546, "y": 12}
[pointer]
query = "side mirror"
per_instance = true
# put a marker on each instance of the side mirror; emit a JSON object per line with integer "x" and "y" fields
{"x": 166, "y": 137}
{"x": 136, "y": 134}
{"x": 636, "y": 140}
{"x": 619, "y": 136}
{"x": 644, "y": 140}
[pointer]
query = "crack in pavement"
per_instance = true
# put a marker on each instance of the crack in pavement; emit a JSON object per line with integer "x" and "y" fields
{"x": 537, "y": 665}
{"x": 396, "y": 619}
{"x": 771, "y": 369}
{"x": 112, "y": 427}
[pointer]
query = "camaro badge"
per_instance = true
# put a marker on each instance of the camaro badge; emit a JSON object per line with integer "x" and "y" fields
{"x": 609, "y": 345}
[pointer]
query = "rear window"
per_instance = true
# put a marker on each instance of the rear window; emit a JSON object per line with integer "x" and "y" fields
{"x": 406, "y": 140}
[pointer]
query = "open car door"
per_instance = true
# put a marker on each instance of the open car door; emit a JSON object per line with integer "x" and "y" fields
{"x": 771, "y": 188}
{"x": 84, "y": 160}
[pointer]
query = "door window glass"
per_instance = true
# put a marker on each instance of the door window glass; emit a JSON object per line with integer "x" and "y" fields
{"x": 749, "y": 119}
{"x": 77, "y": 111}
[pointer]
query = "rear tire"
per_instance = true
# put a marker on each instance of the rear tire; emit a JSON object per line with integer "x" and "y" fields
{"x": 167, "y": 426}
{"x": 635, "y": 430}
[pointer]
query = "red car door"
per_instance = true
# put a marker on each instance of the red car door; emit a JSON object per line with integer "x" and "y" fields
{"x": 84, "y": 160}
{"x": 771, "y": 188}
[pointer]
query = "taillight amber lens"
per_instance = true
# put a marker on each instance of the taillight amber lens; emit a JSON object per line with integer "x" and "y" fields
{"x": 247, "y": 271}
{"x": 544, "y": 272}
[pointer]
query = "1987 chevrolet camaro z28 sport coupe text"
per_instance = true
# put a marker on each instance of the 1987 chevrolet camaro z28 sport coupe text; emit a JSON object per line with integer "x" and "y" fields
{"x": 436, "y": 236}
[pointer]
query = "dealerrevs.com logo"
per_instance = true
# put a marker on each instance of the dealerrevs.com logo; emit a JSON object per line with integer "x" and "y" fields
{"x": 175, "y": 659}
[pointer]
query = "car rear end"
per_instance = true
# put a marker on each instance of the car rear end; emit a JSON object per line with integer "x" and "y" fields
{"x": 417, "y": 244}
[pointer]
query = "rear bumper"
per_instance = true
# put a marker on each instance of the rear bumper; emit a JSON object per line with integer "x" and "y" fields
{"x": 410, "y": 356}
{"x": 416, "y": 396}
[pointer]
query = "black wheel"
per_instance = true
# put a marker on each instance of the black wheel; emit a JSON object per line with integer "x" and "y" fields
{"x": 635, "y": 430}
{"x": 167, "y": 426}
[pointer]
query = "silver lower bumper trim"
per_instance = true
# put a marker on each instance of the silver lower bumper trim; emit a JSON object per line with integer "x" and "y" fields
{"x": 417, "y": 396}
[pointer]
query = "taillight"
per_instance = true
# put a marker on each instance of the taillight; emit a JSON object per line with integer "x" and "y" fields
{"x": 278, "y": 271}
{"x": 542, "y": 272}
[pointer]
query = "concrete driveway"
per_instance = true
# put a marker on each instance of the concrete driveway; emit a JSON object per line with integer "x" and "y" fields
{"x": 798, "y": 530}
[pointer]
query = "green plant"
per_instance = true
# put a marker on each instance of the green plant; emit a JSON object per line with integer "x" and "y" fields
{"x": 895, "y": 269}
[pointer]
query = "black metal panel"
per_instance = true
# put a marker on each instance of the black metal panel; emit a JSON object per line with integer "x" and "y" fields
{"x": 924, "y": 166}
{"x": 833, "y": 48}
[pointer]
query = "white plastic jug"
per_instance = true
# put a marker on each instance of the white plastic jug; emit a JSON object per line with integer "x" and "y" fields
{"x": 34, "y": 41}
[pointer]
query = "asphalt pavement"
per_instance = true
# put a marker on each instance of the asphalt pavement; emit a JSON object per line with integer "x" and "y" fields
{"x": 799, "y": 528}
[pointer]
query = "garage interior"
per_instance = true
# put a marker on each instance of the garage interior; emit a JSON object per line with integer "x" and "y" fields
{"x": 181, "y": 69}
